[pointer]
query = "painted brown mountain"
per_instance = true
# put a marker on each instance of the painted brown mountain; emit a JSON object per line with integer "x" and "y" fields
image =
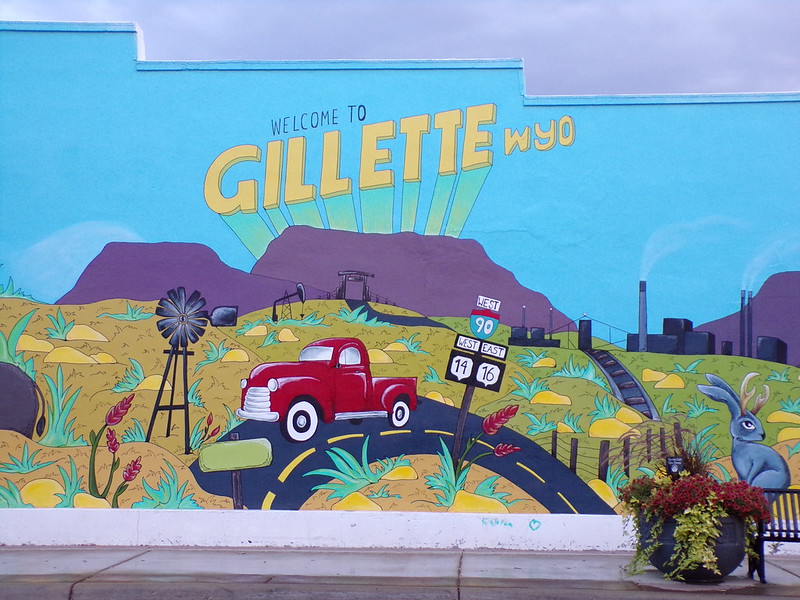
{"x": 776, "y": 313}
{"x": 433, "y": 275}
{"x": 146, "y": 271}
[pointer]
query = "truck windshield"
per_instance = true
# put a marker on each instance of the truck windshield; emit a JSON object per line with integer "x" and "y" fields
{"x": 317, "y": 353}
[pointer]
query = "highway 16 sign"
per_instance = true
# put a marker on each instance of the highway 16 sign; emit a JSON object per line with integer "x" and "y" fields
{"x": 470, "y": 363}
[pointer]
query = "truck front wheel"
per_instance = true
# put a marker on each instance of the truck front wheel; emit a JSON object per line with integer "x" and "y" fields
{"x": 301, "y": 422}
{"x": 400, "y": 413}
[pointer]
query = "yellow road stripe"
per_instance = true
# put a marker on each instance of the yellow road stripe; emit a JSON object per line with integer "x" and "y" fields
{"x": 267, "y": 503}
{"x": 568, "y": 503}
{"x": 394, "y": 431}
{"x": 521, "y": 466}
{"x": 439, "y": 432}
{"x": 345, "y": 437}
{"x": 290, "y": 467}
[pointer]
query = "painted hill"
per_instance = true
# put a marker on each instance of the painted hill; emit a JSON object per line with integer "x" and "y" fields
{"x": 433, "y": 275}
{"x": 776, "y": 313}
{"x": 146, "y": 271}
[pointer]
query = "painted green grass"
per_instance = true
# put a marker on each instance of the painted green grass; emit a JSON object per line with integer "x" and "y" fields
{"x": 10, "y": 496}
{"x": 359, "y": 316}
{"x": 132, "y": 313}
{"x": 60, "y": 327}
{"x": 60, "y": 430}
{"x": 698, "y": 406}
{"x": 690, "y": 368}
{"x": 588, "y": 372}
{"x": 411, "y": 344}
{"x": 9, "y": 290}
{"x": 73, "y": 485}
{"x": 26, "y": 463}
{"x": 134, "y": 433}
{"x": 781, "y": 376}
{"x": 214, "y": 353}
{"x": 169, "y": 493}
{"x": 132, "y": 378}
{"x": 528, "y": 389}
{"x": 444, "y": 480}
{"x": 8, "y": 346}
{"x": 350, "y": 475}
{"x": 431, "y": 376}
{"x": 539, "y": 424}
{"x": 529, "y": 357}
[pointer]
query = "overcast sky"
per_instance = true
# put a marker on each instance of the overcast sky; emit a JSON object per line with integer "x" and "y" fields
{"x": 569, "y": 46}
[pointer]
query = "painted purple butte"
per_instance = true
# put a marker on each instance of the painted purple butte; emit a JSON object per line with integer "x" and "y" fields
{"x": 776, "y": 313}
{"x": 432, "y": 275}
{"x": 146, "y": 271}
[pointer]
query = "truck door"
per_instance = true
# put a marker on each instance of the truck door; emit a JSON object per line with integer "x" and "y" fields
{"x": 351, "y": 381}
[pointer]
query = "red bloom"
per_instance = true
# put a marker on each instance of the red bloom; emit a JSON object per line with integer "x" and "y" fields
{"x": 209, "y": 420}
{"x": 115, "y": 413}
{"x": 132, "y": 470}
{"x": 215, "y": 432}
{"x": 505, "y": 449}
{"x": 111, "y": 441}
{"x": 495, "y": 421}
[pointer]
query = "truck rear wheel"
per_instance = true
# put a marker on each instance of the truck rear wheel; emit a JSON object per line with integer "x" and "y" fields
{"x": 400, "y": 413}
{"x": 301, "y": 422}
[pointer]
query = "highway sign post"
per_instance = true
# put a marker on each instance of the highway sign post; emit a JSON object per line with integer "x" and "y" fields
{"x": 476, "y": 362}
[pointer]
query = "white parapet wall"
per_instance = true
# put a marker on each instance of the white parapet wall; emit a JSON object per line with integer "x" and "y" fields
{"x": 305, "y": 529}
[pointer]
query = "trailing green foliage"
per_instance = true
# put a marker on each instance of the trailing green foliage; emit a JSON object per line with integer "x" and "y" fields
{"x": 528, "y": 389}
{"x": 213, "y": 354}
{"x": 9, "y": 291}
{"x": 168, "y": 493}
{"x": 248, "y": 325}
{"x": 134, "y": 433}
{"x": 60, "y": 328}
{"x": 702, "y": 446}
{"x": 25, "y": 464}
{"x": 270, "y": 339}
{"x": 310, "y": 320}
{"x": 589, "y": 373}
{"x": 539, "y": 424}
{"x": 8, "y": 346}
{"x": 133, "y": 377}
{"x": 359, "y": 317}
{"x": 411, "y": 345}
{"x": 352, "y": 476}
{"x": 132, "y": 313}
{"x": 60, "y": 428}
{"x": 10, "y": 496}
{"x": 791, "y": 406}
{"x": 690, "y": 368}
{"x": 573, "y": 422}
{"x": 781, "y": 376}
{"x": 382, "y": 493}
{"x": 529, "y": 357}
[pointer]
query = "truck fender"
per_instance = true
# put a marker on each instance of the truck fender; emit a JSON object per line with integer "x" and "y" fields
{"x": 294, "y": 387}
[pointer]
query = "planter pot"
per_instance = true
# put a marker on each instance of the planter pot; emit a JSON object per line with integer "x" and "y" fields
{"x": 729, "y": 550}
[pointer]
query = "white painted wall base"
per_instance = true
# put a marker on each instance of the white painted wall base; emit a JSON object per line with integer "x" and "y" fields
{"x": 319, "y": 529}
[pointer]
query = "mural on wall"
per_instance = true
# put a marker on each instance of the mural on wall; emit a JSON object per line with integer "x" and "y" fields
{"x": 361, "y": 347}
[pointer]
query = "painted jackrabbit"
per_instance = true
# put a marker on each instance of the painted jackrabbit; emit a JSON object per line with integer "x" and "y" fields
{"x": 755, "y": 463}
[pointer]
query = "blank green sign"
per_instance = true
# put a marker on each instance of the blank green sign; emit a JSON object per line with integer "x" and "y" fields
{"x": 234, "y": 455}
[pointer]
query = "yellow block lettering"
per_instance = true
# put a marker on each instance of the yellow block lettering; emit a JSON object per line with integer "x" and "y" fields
{"x": 566, "y": 131}
{"x": 474, "y": 138}
{"x": 548, "y": 136}
{"x": 272, "y": 181}
{"x": 371, "y": 155}
{"x": 516, "y": 139}
{"x": 449, "y": 122}
{"x": 414, "y": 128}
{"x": 246, "y": 191}
{"x": 296, "y": 189}
{"x": 330, "y": 184}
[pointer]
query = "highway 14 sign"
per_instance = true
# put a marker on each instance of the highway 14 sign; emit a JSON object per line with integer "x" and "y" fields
{"x": 475, "y": 370}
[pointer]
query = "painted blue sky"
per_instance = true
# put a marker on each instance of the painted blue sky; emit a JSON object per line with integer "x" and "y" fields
{"x": 700, "y": 210}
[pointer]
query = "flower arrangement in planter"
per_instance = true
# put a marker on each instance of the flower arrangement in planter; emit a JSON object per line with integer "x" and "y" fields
{"x": 698, "y": 511}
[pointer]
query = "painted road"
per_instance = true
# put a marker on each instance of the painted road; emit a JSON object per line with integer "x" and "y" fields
{"x": 282, "y": 485}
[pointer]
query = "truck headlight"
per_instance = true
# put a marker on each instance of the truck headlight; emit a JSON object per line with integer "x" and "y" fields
{"x": 244, "y": 383}
{"x": 272, "y": 385}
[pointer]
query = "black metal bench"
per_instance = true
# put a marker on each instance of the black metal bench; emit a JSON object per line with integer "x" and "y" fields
{"x": 783, "y": 527}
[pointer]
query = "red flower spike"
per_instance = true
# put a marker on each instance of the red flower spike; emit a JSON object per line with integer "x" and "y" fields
{"x": 215, "y": 432}
{"x": 495, "y": 421}
{"x": 505, "y": 449}
{"x": 132, "y": 470}
{"x": 209, "y": 420}
{"x": 115, "y": 413}
{"x": 111, "y": 441}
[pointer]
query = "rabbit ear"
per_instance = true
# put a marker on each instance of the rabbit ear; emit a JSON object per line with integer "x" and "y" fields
{"x": 721, "y": 392}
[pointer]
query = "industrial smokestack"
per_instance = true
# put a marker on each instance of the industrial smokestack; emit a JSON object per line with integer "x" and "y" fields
{"x": 750, "y": 324}
{"x": 743, "y": 323}
{"x": 642, "y": 316}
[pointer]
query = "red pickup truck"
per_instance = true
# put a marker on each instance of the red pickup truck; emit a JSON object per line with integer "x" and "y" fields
{"x": 331, "y": 381}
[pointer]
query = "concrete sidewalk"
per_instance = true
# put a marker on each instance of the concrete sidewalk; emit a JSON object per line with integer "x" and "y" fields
{"x": 113, "y": 573}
